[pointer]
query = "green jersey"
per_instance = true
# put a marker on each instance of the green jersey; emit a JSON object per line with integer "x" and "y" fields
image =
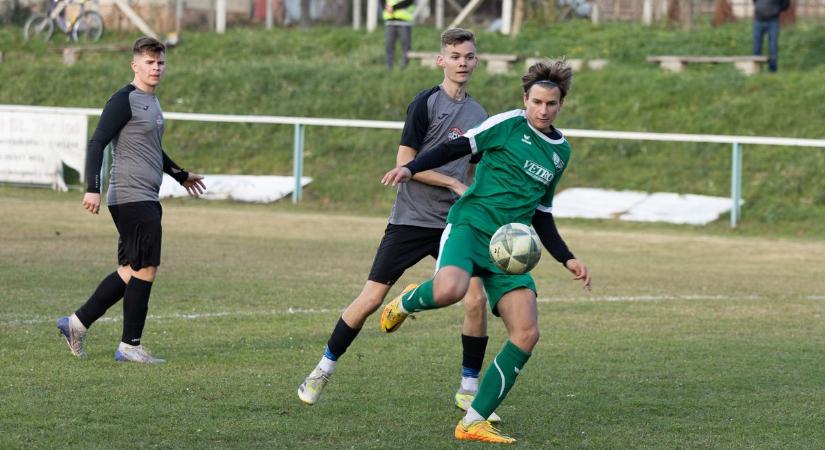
{"x": 518, "y": 174}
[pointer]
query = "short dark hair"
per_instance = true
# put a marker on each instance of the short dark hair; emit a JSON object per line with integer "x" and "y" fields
{"x": 148, "y": 44}
{"x": 455, "y": 36}
{"x": 554, "y": 73}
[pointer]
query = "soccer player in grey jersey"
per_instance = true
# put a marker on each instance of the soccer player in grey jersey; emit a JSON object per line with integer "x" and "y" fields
{"x": 418, "y": 217}
{"x": 133, "y": 122}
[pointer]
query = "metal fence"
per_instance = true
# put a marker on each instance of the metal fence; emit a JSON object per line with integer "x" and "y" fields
{"x": 301, "y": 123}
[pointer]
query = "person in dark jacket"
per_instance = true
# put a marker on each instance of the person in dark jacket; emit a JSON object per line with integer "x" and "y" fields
{"x": 766, "y": 21}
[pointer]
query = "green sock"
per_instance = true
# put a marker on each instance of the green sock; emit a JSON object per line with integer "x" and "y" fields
{"x": 420, "y": 298}
{"x": 499, "y": 378}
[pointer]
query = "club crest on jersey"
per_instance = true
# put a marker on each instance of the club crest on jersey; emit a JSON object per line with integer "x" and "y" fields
{"x": 454, "y": 133}
{"x": 557, "y": 161}
{"x": 538, "y": 172}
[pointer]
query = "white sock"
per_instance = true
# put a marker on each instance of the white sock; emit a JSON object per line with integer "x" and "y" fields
{"x": 75, "y": 323}
{"x": 469, "y": 384}
{"x": 401, "y": 307}
{"x": 472, "y": 416}
{"x": 327, "y": 365}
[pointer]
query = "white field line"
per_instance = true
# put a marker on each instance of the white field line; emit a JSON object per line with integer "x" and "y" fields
{"x": 646, "y": 298}
{"x": 183, "y": 316}
{"x": 309, "y": 311}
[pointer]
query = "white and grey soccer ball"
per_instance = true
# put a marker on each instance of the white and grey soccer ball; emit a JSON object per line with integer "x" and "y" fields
{"x": 515, "y": 248}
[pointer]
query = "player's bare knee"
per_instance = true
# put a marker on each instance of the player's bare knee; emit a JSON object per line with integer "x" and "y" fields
{"x": 526, "y": 339}
{"x": 449, "y": 292}
{"x": 475, "y": 306}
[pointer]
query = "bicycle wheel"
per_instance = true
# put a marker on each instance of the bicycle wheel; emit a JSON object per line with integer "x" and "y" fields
{"x": 88, "y": 28}
{"x": 38, "y": 26}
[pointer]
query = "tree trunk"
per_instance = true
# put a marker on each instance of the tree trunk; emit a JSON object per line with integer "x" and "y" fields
{"x": 518, "y": 17}
{"x": 723, "y": 13}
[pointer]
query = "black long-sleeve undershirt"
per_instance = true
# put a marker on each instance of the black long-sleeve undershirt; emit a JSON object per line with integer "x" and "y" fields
{"x": 173, "y": 169}
{"x": 440, "y": 154}
{"x": 545, "y": 227}
{"x": 116, "y": 114}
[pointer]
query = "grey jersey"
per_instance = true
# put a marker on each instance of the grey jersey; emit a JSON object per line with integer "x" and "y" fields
{"x": 133, "y": 121}
{"x": 433, "y": 117}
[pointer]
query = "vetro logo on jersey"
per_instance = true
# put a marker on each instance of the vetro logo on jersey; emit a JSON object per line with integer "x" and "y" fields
{"x": 538, "y": 172}
{"x": 454, "y": 133}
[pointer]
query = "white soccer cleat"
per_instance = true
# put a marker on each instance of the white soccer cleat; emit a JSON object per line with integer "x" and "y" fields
{"x": 74, "y": 335}
{"x": 135, "y": 353}
{"x": 310, "y": 390}
{"x": 463, "y": 400}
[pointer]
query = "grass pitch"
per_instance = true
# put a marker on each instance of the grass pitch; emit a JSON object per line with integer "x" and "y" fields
{"x": 687, "y": 341}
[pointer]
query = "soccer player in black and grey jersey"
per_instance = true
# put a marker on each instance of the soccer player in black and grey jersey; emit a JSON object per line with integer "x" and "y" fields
{"x": 418, "y": 217}
{"x": 133, "y": 122}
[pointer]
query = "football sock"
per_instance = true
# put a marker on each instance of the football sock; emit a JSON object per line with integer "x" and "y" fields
{"x": 108, "y": 292}
{"x": 473, "y": 354}
{"x": 135, "y": 307}
{"x": 499, "y": 378}
{"x": 327, "y": 365}
{"x": 469, "y": 384}
{"x": 472, "y": 416}
{"x": 74, "y": 322}
{"x": 340, "y": 339}
{"x": 419, "y": 299}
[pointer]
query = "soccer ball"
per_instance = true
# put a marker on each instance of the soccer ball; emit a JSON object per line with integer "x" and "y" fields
{"x": 515, "y": 248}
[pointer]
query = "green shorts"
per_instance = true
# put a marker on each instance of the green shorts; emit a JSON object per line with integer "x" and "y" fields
{"x": 465, "y": 247}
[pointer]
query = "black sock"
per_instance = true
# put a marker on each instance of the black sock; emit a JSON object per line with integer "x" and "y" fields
{"x": 342, "y": 336}
{"x": 108, "y": 292}
{"x": 135, "y": 307}
{"x": 474, "y": 348}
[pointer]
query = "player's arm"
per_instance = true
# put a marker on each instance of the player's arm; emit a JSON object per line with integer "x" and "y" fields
{"x": 545, "y": 227}
{"x": 431, "y": 177}
{"x": 191, "y": 181}
{"x": 116, "y": 114}
{"x": 438, "y": 156}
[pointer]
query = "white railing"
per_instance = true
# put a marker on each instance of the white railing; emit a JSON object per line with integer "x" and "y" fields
{"x": 301, "y": 122}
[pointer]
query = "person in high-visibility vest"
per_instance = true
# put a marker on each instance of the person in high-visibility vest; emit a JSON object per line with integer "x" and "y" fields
{"x": 398, "y": 22}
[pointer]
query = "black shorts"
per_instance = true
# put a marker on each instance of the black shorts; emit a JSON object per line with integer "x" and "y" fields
{"x": 138, "y": 226}
{"x": 401, "y": 248}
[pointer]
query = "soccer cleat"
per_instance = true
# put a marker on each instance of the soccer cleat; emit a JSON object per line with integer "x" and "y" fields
{"x": 74, "y": 336}
{"x": 310, "y": 390}
{"x": 480, "y": 430}
{"x": 392, "y": 317}
{"x": 463, "y": 400}
{"x": 135, "y": 353}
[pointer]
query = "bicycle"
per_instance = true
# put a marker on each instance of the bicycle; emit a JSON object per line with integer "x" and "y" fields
{"x": 79, "y": 24}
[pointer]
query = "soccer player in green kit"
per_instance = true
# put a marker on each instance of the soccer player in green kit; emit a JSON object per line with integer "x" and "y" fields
{"x": 524, "y": 158}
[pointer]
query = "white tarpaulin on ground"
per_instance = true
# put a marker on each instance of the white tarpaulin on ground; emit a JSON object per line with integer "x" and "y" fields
{"x": 244, "y": 188}
{"x": 34, "y": 147}
{"x": 639, "y": 206}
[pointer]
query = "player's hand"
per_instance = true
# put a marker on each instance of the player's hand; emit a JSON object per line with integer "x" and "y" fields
{"x": 91, "y": 202}
{"x": 397, "y": 175}
{"x": 194, "y": 185}
{"x": 459, "y": 188}
{"x": 579, "y": 270}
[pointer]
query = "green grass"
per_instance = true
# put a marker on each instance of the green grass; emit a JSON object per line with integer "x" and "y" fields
{"x": 687, "y": 340}
{"x": 338, "y": 72}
